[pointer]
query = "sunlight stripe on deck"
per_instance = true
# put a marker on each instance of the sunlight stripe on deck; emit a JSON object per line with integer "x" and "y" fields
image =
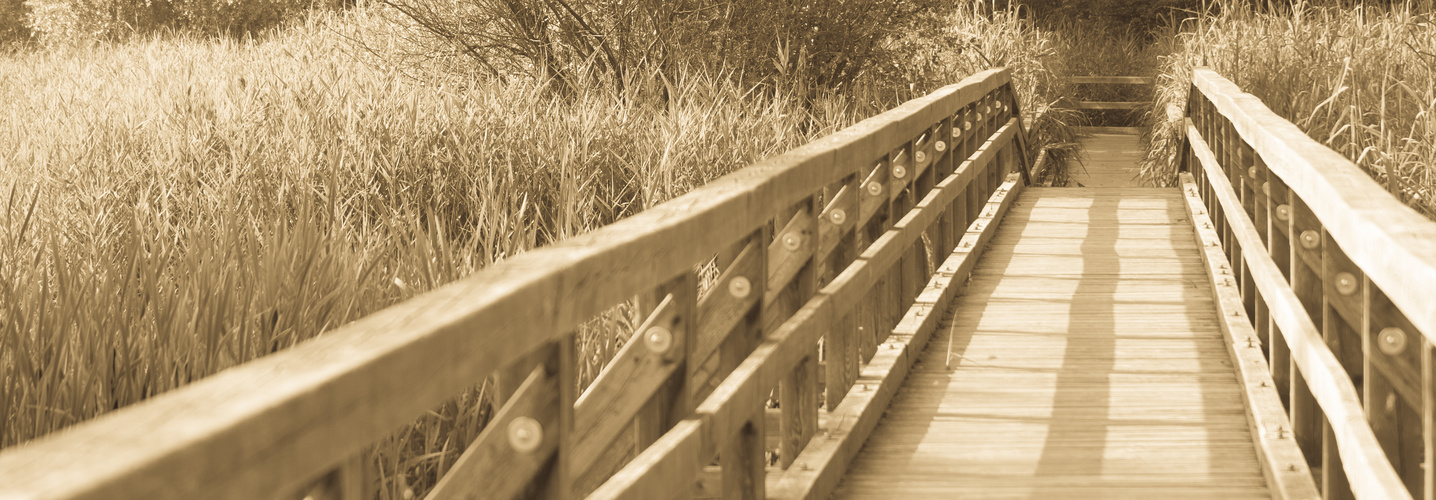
{"x": 1091, "y": 366}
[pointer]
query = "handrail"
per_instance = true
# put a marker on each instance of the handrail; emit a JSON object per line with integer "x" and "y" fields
{"x": 1109, "y": 80}
{"x": 1334, "y": 273}
{"x": 866, "y": 204}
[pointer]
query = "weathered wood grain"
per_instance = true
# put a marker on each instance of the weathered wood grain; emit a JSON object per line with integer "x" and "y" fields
{"x": 1367, "y": 468}
{"x": 1060, "y": 385}
{"x": 1282, "y": 463}
{"x": 1385, "y": 238}
{"x": 268, "y": 426}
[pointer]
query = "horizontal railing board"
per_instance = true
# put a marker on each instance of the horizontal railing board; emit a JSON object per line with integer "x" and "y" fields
{"x": 1393, "y": 244}
{"x": 1366, "y": 465}
{"x": 268, "y": 426}
{"x": 1108, "y": 104}
{"x": 1120, "y": 80}
{"x": 817, "y": 471}
{"x": 719, "y": 417}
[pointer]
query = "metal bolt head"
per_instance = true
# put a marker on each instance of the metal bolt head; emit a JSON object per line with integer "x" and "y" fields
{"x": 967, "y": 125}
{"x": 1310, "y": 239}
{"x": 899, "y": 171}
{"x": 921, "y": 156}
{"x": 1266, "y": 188}
{"x": 658, "y": 339}
{"x": 1283, "y": 212}
{"x": 956, "y": 131}
{"x": 1345, "y": 283}
{"x": 940, "y": 146}
{"x": 792, "y": 241}
{"x": 838, "y": 216}
{"x": 875, "y": 188}
{"x": 1391, "y": 340}
{"x": 739, "y": 287}
{"x": 1252, "y": 172}
{"x": 525, "y": 434}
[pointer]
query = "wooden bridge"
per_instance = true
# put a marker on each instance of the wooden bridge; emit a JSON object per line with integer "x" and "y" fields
{"x": 890, "y": 311}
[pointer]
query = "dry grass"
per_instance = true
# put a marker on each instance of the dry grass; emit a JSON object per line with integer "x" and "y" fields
{"x": 1360, "y": 80}
{"x": 175, "y": 207}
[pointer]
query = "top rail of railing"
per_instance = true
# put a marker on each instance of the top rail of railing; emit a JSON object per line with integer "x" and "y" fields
{"x": 270, "y": 427}
{"x": 1337, "y": 278}
{"x": 1394, "y": 245}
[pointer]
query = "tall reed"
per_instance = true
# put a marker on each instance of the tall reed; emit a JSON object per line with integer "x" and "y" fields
{"x": 1361, "y": 80}
{"x": 174, "y": 207}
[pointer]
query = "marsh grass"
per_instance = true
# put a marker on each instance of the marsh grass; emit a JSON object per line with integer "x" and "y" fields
{"x": 1361, "y": 80}
{"x": 174, "y": 207}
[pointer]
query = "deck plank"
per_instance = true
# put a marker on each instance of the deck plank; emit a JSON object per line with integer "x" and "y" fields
{"x": 1088, "y": 363}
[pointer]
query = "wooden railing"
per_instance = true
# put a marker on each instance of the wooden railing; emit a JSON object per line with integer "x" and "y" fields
{"x": 825, "y": 258}
{"x": 1110, "y": 80}
{"x": 1338, "y": 284}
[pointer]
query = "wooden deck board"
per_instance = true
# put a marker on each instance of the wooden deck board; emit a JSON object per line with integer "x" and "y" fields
{"x": 1087, "y": 363}
{"x": 1110, "y": 160}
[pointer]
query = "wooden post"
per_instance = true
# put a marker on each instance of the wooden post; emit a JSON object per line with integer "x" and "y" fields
{"x": 1428, "y": 419}
{"x": 798, "y": 392}
{"x": 1278, "y": 244}
{"x": 743, "y": 460}
{"x": 1306, "y": 417}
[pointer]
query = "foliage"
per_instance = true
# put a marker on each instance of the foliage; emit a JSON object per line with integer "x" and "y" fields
{"x": 13, "y": 26}
{"x": 1361, "y": 80}
{"x": 1138, "y": 15}
{"x": 176, "y": 206}
{"x": 67, "y": 20}
{"x": 826, "y": 43}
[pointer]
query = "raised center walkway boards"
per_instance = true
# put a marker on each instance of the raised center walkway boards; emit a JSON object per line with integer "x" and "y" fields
{"x": 1086, "y": 362}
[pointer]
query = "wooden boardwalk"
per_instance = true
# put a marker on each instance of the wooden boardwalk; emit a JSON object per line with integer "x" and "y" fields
{"x": 1107, "y": 341}
{"x": 1086, "y": 363}
{"x": 1109, "y": 158}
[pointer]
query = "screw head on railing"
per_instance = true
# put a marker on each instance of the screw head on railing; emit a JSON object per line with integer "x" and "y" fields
{"x": 1345, "y": 283}
{"x": 792, "y": 241}
{"x": 1252, "y": 172}
{"x": 920, "y": 156}
{"x": 1391, "y": 340}
{"x": 525, "y": 434}
{"x": 658, "y": 339}
{"x": 940, "y": 146}
{"x": 899, "y": 171}
{"x": 967, "y": 125}
{"x": 875, "y": 188}
{"x": 1266, "y": 188}
{"x": 1310, "y": 239}
{"x": 838, "y": 216}
{"x": 1283, "y": 212}
{"x": 956, "y": 131}
{"x": 739, "y": 287}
